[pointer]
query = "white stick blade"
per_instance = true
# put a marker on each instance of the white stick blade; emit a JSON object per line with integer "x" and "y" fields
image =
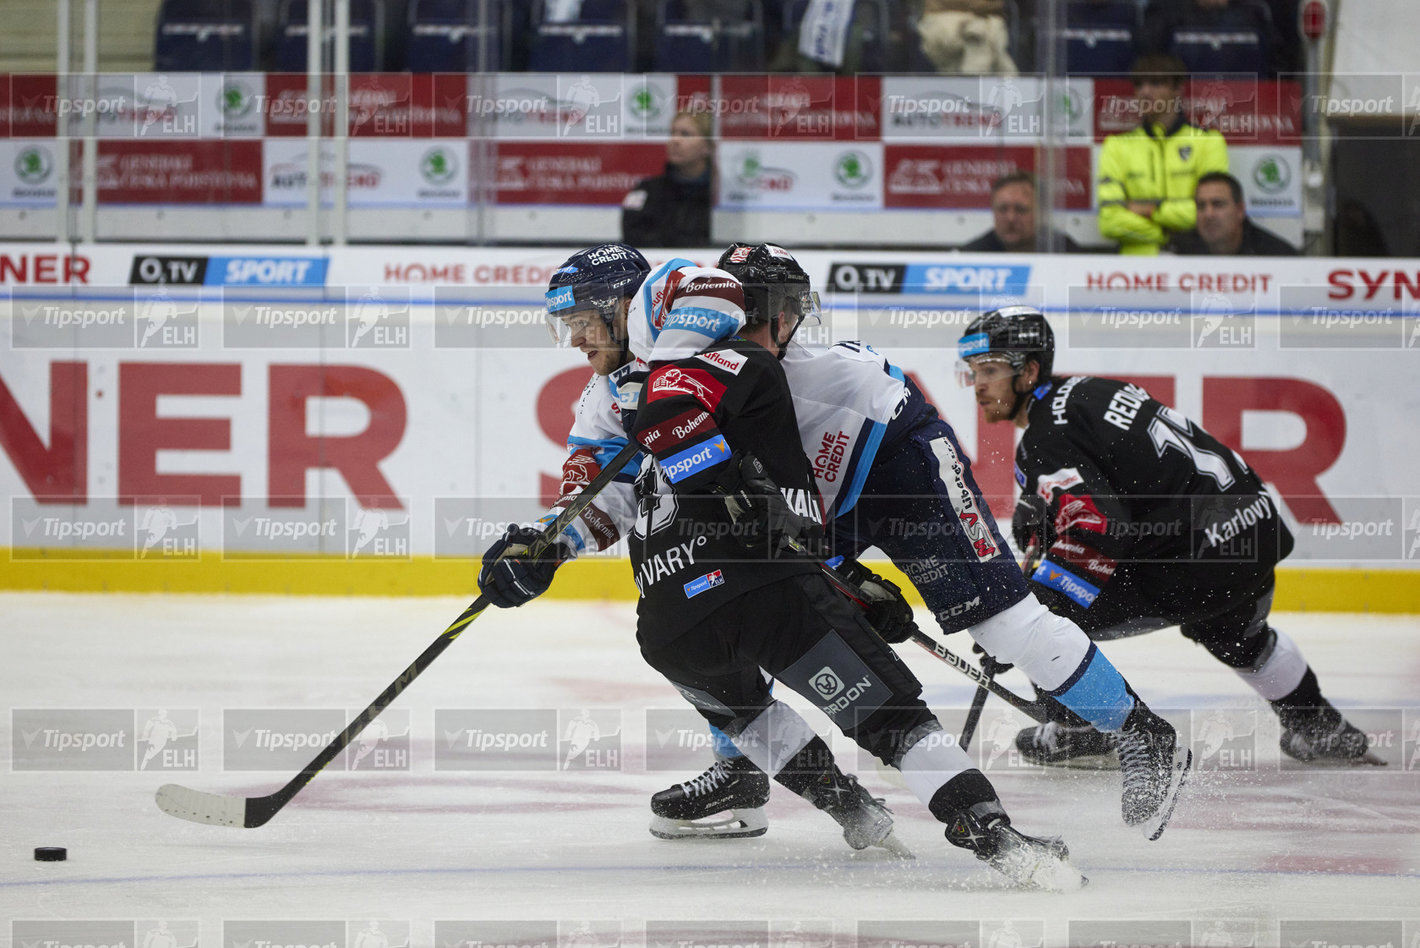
{"x": 199, "y": 807}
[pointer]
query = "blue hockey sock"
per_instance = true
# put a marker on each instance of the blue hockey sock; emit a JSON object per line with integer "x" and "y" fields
{"x": 1097, "y": 692}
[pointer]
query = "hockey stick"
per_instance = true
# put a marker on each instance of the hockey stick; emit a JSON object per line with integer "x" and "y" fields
{"x": 1034, "y": 709}
{"x": 978, "y": 700}
{"x": 223, "y": 810}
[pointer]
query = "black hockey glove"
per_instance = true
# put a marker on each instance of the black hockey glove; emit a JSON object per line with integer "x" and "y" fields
{"x": 887, "y": 611}
{"x": 511, "y": 580}
{"x": 763, "y": 522}
{"x": 1028, "y": 522}
{"x": 628, "y": 381}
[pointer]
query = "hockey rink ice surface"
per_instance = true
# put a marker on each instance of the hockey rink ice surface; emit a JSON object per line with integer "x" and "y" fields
{"x": 424, "y": 848}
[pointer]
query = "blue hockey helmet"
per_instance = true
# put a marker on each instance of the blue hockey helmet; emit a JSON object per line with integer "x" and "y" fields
{"x": 596, "y": 279}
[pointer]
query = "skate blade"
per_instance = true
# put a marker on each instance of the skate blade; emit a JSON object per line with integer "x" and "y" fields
{"x": 1106, "y": 761}
{"x": 739, "y": 824}
{"x": 895, "y": 846}
{"x": 1154, "y": 827}
{"x": 1047, "y": 872}
{"x": 1368, "y": 759}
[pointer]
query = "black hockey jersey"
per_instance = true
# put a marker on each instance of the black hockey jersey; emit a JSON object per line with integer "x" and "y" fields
{"x": 694, "y": 414}
{"x": 1109, "y": 476}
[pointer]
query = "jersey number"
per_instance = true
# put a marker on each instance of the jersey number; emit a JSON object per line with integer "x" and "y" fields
{"x": 1169, "y": 429}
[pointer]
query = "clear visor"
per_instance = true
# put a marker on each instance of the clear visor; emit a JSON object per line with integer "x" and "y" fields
{"x": 985, "y": 367}
{"x": 566, "y": 324}
{"x": 805, "y": 305}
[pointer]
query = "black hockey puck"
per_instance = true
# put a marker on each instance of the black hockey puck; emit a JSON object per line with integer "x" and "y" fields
{"x": 51, "y": 854}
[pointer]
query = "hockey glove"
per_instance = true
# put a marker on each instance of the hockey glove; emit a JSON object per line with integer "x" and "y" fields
{"x": 1028, "y": 522}
{"x": 507, "y": 578}
{"x": 763, "y": 522}
{"x": 887, "y": 611}
{"x": 627, "y": 382}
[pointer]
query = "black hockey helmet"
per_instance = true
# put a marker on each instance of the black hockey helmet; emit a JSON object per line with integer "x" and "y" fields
{"x": 774, "y": 282}
{"x": 597, "y": 278}
{"x": 1010, "y": 334}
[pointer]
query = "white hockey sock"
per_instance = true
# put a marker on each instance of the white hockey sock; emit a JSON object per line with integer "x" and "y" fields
{"x": 931, "y": 762}
{"x": 772, "y": 738}
{"x": 1279, "y": 671}
{"x": 1047, "y": 647}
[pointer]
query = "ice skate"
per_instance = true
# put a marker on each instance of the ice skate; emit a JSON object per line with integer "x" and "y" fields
{"x": 1028, "y": 861}
{"x": 1322, "y": 736}
{"x": 866, "y": 821}
{"x": 1154, "y": 766}
{"x": 1056, "y": 744}
{"x": 725, "y": 802}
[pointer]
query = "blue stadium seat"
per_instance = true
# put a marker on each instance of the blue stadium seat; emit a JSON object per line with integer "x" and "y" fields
{"x": 448, "y": 36}
{"x": 205, "y": 36}
{"x": 719, "y": 38}
{"x": 600, "y": 37}
{"x": 1239, "y": 38}
{"x": 1101, "y": 38}
{"x": 366, "y": 33}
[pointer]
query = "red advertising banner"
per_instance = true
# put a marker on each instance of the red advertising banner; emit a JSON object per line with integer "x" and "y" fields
{"x": 31, "y": 107}
{"x": 1263, "y": 112}
{"x": 408, "y": 105}
{"x": 800, "y": 108}
{"x": 573, "y": 172}
{"x": 180, "y": 172}
{"x": 960, "y": 176}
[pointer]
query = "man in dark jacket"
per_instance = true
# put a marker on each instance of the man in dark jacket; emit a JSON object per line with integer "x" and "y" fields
{"x": 1223, "y": 226}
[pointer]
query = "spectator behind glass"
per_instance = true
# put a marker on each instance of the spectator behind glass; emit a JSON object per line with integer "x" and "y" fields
{"x": 1223, "y": 225}
{"x": 1147, "y": 175}
{"x": 673, "y": 209}
{"x": 1013, "y": 213}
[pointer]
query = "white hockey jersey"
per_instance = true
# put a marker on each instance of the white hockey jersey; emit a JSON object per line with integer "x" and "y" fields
{"x": 849, "y": 401}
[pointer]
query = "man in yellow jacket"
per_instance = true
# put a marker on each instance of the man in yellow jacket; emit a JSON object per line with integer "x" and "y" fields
{"x": 1147, "y": 176}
